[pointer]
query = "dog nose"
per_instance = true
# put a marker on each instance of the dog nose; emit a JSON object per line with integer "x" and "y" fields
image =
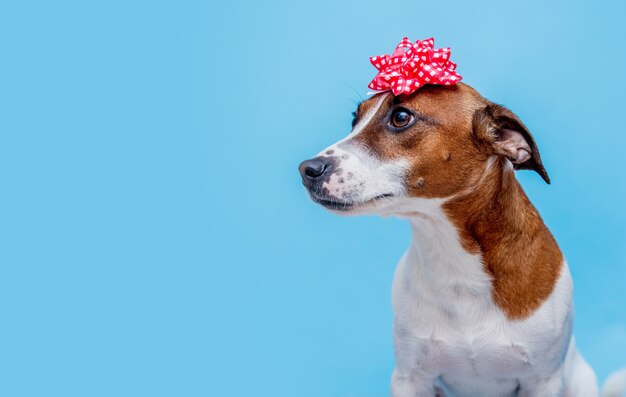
{"x": 311, "y": 170}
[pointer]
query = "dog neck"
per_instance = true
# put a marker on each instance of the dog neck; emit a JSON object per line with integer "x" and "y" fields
{"x": 492, "y": 230}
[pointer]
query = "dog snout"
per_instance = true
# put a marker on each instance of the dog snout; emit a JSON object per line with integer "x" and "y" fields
{"x": 315, "y": 170}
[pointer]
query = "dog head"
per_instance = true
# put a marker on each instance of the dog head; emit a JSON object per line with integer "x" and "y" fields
{"x": 433, "y": 144}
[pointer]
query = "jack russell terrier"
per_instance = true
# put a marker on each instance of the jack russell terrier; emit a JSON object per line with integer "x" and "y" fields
{"x": 482, "y": 298}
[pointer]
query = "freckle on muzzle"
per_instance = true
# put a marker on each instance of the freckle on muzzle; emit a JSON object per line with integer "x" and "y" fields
{"x": 315, "y": 173}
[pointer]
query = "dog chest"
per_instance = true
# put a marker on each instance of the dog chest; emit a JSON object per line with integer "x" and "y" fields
{"x": 458, "y": 328}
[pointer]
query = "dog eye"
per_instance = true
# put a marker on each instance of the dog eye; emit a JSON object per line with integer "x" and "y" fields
{"x": 401, "y": 118}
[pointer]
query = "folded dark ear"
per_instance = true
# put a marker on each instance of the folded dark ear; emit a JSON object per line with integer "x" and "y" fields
{"x": 501, "y": 132}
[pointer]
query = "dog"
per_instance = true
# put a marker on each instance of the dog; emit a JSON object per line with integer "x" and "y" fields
{"x": 482, "y": 298}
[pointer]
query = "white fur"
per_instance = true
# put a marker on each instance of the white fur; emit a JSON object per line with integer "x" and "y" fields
{"x": 362, "y": 177}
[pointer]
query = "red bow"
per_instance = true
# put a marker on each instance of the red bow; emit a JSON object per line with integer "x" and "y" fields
{"x": 405, "y": 71}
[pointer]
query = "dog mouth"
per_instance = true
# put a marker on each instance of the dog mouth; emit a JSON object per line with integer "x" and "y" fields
{"x": 345, "y": 205}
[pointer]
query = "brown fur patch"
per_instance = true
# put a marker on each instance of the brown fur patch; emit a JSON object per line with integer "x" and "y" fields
{"x": 519, "y": 252}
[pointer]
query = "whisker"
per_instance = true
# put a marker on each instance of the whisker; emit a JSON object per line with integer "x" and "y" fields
{"x": 361, "y": 99}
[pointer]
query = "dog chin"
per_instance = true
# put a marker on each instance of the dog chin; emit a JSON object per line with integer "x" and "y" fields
{"x": 353, "y": 207}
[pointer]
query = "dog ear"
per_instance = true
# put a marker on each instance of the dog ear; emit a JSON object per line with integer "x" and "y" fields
{"x": 501, "y": 132}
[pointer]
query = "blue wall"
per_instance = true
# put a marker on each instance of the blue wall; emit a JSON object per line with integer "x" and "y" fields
{"x": 154, "y": 236}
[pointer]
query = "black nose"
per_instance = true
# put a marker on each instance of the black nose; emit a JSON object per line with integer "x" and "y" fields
{"x": 312, "y": 170}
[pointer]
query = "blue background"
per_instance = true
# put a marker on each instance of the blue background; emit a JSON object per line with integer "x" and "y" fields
{"x": 155, "y": 239}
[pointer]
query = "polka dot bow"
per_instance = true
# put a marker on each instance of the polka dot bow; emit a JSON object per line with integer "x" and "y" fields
{"x": 413, "y": 65}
